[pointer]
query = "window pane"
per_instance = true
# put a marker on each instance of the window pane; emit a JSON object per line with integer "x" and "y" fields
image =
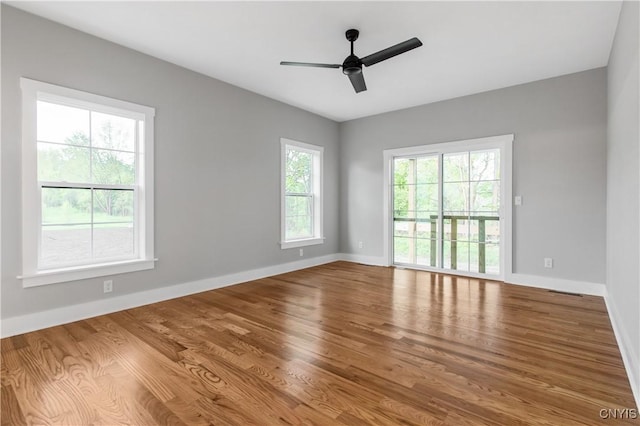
{"x": 455, "y": 197}
{"x": 113, "y": 240}
{"x": 446, "y": 254}
{"x": 401, "y": 250}
{"x": 66, "y": 206}
{"x": 298, "y": 219}
{"x": 485, "y": 229}
{"x": 449, "y": 232}
{"x": 303, "y": 227}
{"x": 113, "y": 167}
{"x": 455, "y": 255}
{"x": 401, "y": 171}
{"x": 298, "y": 205}
{"x": 492, "y": 231}
{"x": 298, "y": 172}
{"x": 112, "y": 206}
{"x": 401, "y": 228}
{"x": 462, "y": 256}
{"x": 113, "y": 132}
{"x": 446, "y": 229}
{"x": 426, "y": 229}
{"x": 63, "y": 163}
{"x": 427, "y": 197}
{"x": 62, "y": 124}
{"x": 455, "y": 167}
{"x": 401, "y": 200}
{"x": 427, "y": 215}
{"x": 67, "y": 244}
{"x": 474, "y": 256}
{"x": 485, "y": 165}
{"x": 474, "y": 230}
{"x": 492, "y": 258}
{"x": 427, "y": 170}
{"x": 485, "y": 197}
{"x": 426, "y": 255}
{"x": 461, "y": 229}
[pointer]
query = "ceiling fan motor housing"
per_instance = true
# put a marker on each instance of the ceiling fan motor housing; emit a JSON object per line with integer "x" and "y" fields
{"x": 352, "y": 65}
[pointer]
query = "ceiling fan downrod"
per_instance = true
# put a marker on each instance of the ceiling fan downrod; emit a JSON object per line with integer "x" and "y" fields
{"x": 352, "y": 64}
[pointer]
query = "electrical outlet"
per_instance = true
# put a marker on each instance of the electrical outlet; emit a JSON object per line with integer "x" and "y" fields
{"x": 108, "y": 286}
{"x": 548, "y": 262}
{"x": 360, "y": 244}
{"x": 301, "y": 252}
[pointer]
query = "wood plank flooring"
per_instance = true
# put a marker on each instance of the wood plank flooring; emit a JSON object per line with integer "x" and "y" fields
{"x": 338, "y": 344}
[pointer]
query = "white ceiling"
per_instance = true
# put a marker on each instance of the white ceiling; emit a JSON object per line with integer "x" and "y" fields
{"x": 469, "y": 47}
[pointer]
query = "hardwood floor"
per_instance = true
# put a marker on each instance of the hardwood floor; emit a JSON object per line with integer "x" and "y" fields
{"x": 335, "y": 344}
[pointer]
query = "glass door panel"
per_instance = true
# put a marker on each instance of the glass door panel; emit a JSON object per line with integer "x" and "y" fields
{"x": 415, "y": 210}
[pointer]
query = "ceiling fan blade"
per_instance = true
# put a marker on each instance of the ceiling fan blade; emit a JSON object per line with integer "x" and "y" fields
{"x": 357, "y": 80}
{"x": 310, "y": 64}
{"x": 390, "y": 52}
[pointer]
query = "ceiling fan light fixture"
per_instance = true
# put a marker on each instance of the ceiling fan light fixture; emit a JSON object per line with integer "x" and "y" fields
{"x": 351, "y": 65}
{"x": 352, "y": 70}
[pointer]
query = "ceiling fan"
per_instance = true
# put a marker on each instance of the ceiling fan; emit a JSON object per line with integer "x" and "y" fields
{"x": 352, "y": 65}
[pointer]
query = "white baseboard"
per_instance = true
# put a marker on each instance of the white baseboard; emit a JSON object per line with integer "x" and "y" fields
{"x": 367, "y": 260}
{"x": 630, "y": 359}
{"x": 558, "y": 284}
{"x": 44, "y": 319}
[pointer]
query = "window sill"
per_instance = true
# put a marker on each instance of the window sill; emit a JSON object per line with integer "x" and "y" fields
{"x": 83, "y": 272}
{"x": 301, "y": 243}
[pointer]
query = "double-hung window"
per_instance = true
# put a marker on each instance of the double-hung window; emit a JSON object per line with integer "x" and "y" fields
{"x": 301, "y": 203}
{"x": 87, "y": 187}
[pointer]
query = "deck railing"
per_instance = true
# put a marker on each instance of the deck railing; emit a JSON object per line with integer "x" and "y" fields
{"x": 433, "y": 221}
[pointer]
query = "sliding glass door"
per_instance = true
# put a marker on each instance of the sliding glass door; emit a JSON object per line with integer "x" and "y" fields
{"x": 446, "y": 210}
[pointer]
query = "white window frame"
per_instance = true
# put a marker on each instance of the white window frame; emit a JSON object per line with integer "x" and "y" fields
{"x": 317, "y": 153}
{"x": 32, "y": 275}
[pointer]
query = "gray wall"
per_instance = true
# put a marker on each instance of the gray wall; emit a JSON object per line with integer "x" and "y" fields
{"x": 217, "y": 149}
{"x": 623, "y": 181}
{"x": 217, "y": 162}
{"x": 558, "y": 168}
